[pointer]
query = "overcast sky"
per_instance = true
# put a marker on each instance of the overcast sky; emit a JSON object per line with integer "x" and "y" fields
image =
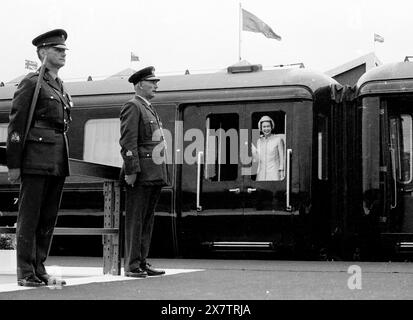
{"x": 202, "y": 35}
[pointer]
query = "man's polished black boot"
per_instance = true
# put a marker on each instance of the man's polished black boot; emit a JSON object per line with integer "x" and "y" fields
{"x": 30, "y": 281}
{"x": 151, "y": 271}
{"x": 136, "y": 273}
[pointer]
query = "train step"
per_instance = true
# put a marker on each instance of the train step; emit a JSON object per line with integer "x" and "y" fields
{"x": 236, "y": 245}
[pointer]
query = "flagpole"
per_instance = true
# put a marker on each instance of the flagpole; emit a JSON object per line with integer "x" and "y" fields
{"x": 240, "y": 30}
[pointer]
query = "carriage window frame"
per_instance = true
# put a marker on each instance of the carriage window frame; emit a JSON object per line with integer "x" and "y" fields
{"x": 217, "y": 166}
{"x": 322, "y": 147}
{"x": 403, "y": 144}
{"x": 280, "y": 121}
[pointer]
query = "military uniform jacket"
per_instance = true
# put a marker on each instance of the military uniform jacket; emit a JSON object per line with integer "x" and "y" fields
{"x": 143, "y": 147}
{"x": 46, "y": 149}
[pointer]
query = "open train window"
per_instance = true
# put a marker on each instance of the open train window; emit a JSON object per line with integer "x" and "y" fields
{"x": 322, "y": 146}
{"x": 268, "y": 146}
{"x": 101, "y": 142}
{"x": 221, "y": 151}
{"x": 401, "y": 143}
{"x": 3, "y": 139}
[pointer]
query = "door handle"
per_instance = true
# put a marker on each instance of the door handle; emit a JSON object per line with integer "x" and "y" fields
{"x": 393, "y": 164}
{"x": 251, "y": 190}
{"x": 288, "y": 180}
{"x": 236, "y": 190}
{"x": 198, "y": 182}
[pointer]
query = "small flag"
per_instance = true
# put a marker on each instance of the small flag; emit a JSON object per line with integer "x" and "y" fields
{"x": 378, "y": 38}
{"x": 30, "y": 65}
{"x": 133, "y": 57}
{"x": 254, "y": 24}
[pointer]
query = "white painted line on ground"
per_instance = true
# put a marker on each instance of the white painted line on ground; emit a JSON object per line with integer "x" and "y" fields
{"x": 75, "y": 276}
{"x": 12, "y": 287}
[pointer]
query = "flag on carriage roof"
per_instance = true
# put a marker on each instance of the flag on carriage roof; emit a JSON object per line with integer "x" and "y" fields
{"x": 252, "y": 23}
{"x": 134, "y": 57}
{"x": 378, "y": 38}
{"x": 30, "y": 65}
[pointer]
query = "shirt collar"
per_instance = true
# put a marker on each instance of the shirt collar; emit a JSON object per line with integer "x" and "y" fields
{"x": 144, "y": 100}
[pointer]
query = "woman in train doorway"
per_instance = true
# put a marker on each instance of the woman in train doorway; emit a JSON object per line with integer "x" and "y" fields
{"x": 269, "y": 152}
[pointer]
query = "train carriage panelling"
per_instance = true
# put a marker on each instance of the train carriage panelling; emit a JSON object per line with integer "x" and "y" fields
{"x": 9, "y": 193}
{"x": 285, "y": 94}
{"x": 385, "y": 98}
{"x": 164, "y": 232}
{"x": 225, "y": 205}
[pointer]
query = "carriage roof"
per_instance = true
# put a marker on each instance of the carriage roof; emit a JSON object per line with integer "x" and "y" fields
{"x": 195, "y": 82}
{"x": 386, "y": 79}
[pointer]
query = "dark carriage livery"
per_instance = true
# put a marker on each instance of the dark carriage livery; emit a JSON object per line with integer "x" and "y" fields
{"x": 384, "y": 98}
{"x": 368, "y": 209}
{"x": 214, "y": 202}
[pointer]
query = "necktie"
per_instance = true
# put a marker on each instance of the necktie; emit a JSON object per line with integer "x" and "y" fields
{"x": 60, "y": 83}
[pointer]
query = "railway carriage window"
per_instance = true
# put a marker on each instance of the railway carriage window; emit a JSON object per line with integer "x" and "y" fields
{"x": 3, "y": 139}
{"x": 269, "y": 148}
{"x": 401, "y": 143}
{"x": 221, "y": 151}
{"x": 101, "y": 142}
{"x": 322, "y": 145}
{"x": 407, "y": 154}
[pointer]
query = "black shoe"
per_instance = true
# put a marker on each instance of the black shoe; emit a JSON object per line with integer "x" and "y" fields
{"x": 50, "y": 280}
{"x": 30, "y": 281}
{"x": 136, "y": 273}
{"x": 150, "y": 271}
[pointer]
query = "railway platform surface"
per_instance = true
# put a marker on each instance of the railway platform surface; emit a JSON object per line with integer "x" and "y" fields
{"x": 223, "y": 279}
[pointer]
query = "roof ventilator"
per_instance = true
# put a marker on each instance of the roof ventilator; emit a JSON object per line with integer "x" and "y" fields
{"x": 244, "y": 68}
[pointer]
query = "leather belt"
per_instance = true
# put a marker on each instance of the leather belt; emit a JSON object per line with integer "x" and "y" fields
{"x": 44, "y": 124}
{"x": 148, "y": 143}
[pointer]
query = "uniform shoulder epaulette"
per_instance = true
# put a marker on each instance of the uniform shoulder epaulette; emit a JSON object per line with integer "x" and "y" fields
{"x": 133, "y": 101}
{"x": 32, "y": 75}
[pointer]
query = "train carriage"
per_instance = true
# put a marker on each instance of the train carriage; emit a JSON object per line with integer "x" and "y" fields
{"x": 215, "y": 201}
{"x": 222, "y": 206}
{"x": 385, "y": 98}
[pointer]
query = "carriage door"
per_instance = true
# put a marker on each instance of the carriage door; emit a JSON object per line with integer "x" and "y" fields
{"x": 274, "y": 176}
{"x": 401, "y": 152}
{"x": 212, "y": 204}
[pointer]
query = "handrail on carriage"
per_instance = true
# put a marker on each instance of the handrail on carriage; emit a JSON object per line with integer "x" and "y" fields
{"x": 112, "y": 230}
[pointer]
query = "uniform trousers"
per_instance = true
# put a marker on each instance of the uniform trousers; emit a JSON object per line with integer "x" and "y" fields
{"x": 141, "y": 201}
{"x": 39, "y": 202}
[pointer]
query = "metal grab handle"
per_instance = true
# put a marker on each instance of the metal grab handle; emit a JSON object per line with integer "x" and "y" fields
{"x": 393, "y": 165}
{"x": 236, "y": 190}
{"x": 288, "y": 180}
{"x": 251, "y": 190}
{"x": 198, "y": 182}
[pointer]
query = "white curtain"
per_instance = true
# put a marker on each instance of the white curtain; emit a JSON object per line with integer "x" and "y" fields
{"x": 101, "y": 142}
{"x": 3, "y": 139}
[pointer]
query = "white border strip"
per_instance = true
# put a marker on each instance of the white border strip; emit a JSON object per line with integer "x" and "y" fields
{"x": 75, "y": 276}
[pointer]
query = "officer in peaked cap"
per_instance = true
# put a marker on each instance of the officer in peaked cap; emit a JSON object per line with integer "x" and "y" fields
{"x": 147, "y": 74}
{"x": 144, "y": 171}
{"x": 55, "y": 38}
{"x": 38, "y": 157}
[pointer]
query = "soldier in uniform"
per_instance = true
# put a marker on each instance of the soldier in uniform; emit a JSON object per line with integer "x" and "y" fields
{"x": 144, "y": 171}
{"x": 40, "y": 159}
